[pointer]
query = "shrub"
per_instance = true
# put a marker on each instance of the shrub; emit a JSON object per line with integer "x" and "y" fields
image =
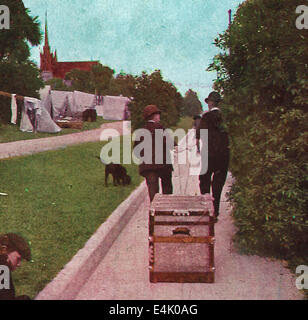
{"x": 264, "y": 81}
{"x": 152, "y": 89}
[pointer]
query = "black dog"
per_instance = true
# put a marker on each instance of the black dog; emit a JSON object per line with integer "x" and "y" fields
{"x": 118, "y": 173}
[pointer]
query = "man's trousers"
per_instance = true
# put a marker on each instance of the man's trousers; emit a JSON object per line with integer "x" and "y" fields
{"x": 215, "y": 177}
{"x": 152, "y": 180}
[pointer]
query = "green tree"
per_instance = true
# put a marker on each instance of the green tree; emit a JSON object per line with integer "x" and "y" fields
{"x": 18, "y": 74}
{"x": 101, "y": 77}
{"x": 81, "y": 80}
{"x": 95, "y": 81}
{"x": 152, "y": 89}
{"x": 57, "y": 84}
{"x": 123, "y": 84}
{"x": 191, "y": 104}
{"x": 264, "y": 81}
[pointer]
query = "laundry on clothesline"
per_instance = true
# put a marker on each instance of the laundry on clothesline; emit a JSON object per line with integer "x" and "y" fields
{"x": 13, "y": 109}
{"x": 35, "y": 118}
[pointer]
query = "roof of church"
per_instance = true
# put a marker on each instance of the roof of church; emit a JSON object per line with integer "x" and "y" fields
{"x": 59, "y": 69}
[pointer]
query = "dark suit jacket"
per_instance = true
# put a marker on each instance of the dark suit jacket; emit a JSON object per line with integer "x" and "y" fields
{"x": 166, "y": 165}
{"x": 218, "y": 140}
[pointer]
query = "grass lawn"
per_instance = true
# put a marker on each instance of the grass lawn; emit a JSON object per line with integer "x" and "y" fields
{"x": 10, "y": 132}
{"x": 56, "y": 200}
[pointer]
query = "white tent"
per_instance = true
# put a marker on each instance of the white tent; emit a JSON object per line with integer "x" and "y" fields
{"x": 62, "y": 103}
{"x": 45, "y": 97}
{"x": 35, "y": 117}
{"x": 83, "y": 101}
{"x": 115, "y": 108}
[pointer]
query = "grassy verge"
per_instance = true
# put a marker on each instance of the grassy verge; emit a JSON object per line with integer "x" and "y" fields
{"x": 10, "y": 132}
{"x": 57, "y": 200}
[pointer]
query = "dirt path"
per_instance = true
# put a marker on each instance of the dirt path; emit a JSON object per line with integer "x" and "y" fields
{"x": 27, "y": 147}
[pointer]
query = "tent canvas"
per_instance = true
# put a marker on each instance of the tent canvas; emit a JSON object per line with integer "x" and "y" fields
{"x": 45, "y": 97}
{"x": 83, "y": 101}
{"x": 62, "y": 104}
{"x": 115, "y": 108}
{"x": 36, "y": 118}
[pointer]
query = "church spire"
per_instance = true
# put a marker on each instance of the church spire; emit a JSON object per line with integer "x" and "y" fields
{"x": 46, "y": 31}
{"x": 46, "y": 55}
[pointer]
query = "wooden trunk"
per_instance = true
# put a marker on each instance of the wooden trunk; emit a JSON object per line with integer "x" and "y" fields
{"x": 181, "y": 239}
{"x": 75, "y": 124}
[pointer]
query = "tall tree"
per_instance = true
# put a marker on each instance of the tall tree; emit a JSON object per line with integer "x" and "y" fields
{"x": 23, "y": 28}
{"x": 123, "y": 84}
{"x": 191, "y": 104}
{"x": 81, "y": 80}
{"x": 18, "y": 74}
{"x": 95, "y": 81}
{"x": 101, "y": 77}
{"x": 152, "y": 89}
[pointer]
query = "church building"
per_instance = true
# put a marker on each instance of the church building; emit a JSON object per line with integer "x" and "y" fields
{"x": 50, "y": 66}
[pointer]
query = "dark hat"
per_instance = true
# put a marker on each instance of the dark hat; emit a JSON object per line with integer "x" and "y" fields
{"x": 149, "y": 110}
{"x": 15, "y": 242}
{"x": 213, "y": 96}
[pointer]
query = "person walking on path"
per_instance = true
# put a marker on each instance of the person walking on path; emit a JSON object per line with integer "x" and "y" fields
{"x": 152, "y": 169}
{"x": 214, "y": 171}
{"x": 13, "y": 248}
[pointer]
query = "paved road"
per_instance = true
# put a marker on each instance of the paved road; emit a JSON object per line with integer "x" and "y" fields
{"x": 123, "y": 273}
{"x": 27, "y": 147}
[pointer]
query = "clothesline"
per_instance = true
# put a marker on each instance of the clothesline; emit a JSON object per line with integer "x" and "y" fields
{"x": 6, "y": 94}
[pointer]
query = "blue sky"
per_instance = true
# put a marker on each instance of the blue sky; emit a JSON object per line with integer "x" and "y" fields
{"x": 175, "y": 36}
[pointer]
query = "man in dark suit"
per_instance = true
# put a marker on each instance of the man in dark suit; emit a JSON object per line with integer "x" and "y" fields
{"x": 218, "y": 151}
{"x": 13, "y": 248}
{"x": 155, "y": 170}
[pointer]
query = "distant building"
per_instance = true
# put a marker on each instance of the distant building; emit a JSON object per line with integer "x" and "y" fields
{"x": 51, "y": 68}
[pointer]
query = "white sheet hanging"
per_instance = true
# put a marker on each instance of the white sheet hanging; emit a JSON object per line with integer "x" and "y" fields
{"x": 83, "y": 101}
{"x": 13, "y": 109}
{"x": 41, "y": 120}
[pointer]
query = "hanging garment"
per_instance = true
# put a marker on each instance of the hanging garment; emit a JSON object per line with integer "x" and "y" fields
{"x": 114, "y": 107}
{"x": 45, "y": 97}
{"x": 30, "y": 113}
{"x": 36, "y": 118}
{"x": 46, "y": 124}
{"x": 13, "y": 109}
{"x": 62, "y": 104}
{"x": 83, "y": 101}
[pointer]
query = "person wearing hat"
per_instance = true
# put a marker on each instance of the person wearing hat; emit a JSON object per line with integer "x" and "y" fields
{"x": 154, "y": 171}
{"x": 13, "y": 248}
{"x": 218, "y": 151}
